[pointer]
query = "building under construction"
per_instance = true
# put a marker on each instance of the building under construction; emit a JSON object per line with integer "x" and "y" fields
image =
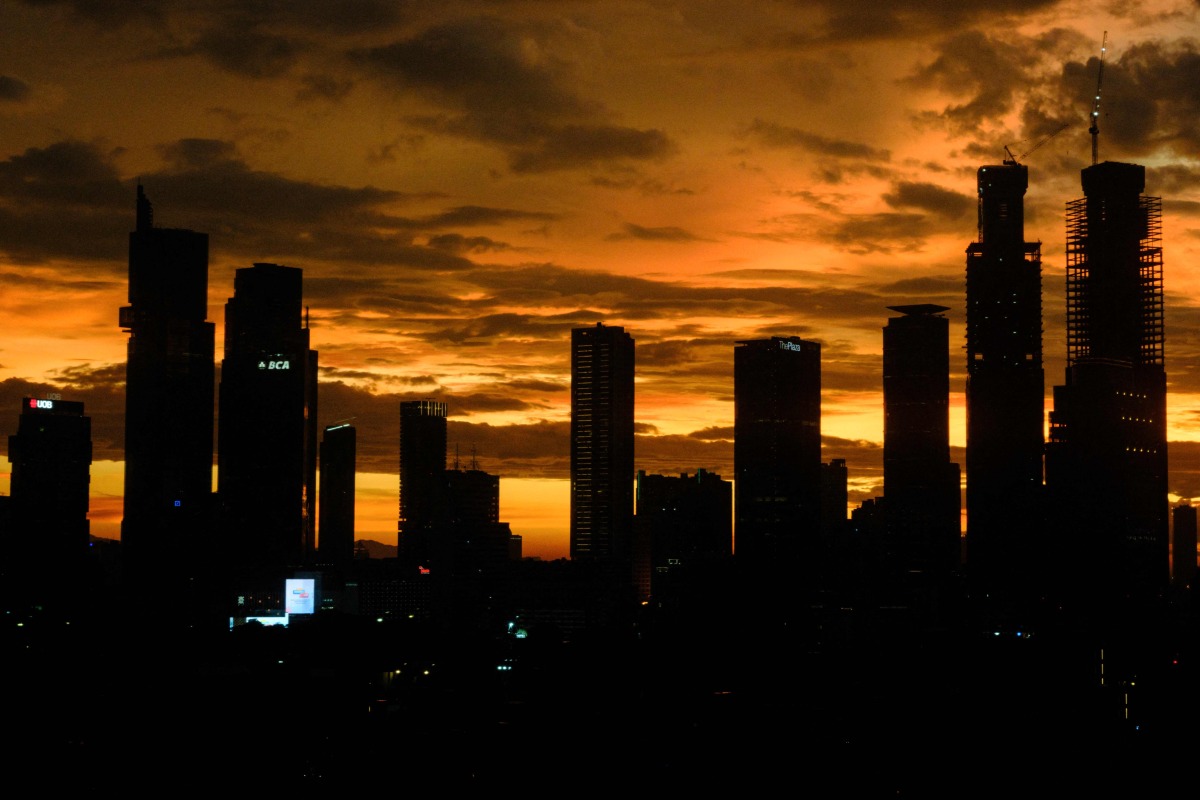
{"x": 1106, "y": 461}
{"x": 1005, "y": 393}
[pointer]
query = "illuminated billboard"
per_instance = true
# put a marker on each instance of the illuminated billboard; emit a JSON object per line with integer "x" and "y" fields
{"x": 299, "y": 594}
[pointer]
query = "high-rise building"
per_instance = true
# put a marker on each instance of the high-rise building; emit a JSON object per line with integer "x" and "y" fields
{"x": 1005, "y": 391}
{"x": 1106, "y": 459}
{"x": 338, "y": 451}
{"x": 684, "y": 527}
{"x": 602, "y": 467}
{"x": 168, "y": 402}
{"x": 267, "y": 440}
{"x": 1183, "y": 545}
{"x": 835, "y": 498}
{"x": 920, "y": 484}
{"x": 422, "y": 469}
{"x": 476, "y": 541}
{"x": 51, "y": 457}
{"x": 777, "y": 452}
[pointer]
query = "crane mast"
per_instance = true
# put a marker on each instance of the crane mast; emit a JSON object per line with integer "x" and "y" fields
{"x": 1095, "y": 129}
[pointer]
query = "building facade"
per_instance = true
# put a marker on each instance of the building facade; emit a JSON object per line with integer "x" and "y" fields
{"x": 684, "y": 532}
{"x": 1106, "y": 459}
{"x": 777, "y": 451}
{"x": 339, "y": 447}
{"x": 422, "y": 485}
{"x": 920, "y": 483}
{"x": 169, "y": 379}
{"x": 267, "y": 426}
{"x": 46, "y": 548}
{"x": 1005, "y": 391}
{"x": 602, "y": 466}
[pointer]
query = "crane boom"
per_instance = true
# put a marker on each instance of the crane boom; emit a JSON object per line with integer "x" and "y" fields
{"x": 1095, "y": 129}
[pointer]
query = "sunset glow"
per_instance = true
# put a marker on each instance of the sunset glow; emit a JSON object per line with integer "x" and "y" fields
{"x": 465, "y": 182}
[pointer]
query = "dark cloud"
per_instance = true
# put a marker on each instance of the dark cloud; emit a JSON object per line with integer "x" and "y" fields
{"x": 988, "y": 72}
{"x": 480, "y": 215}
{"x": 492, "y": 327}
{"x": 106, "y": 12}
{"x": 582, "y": 145}
{"x": 773, "y": 134}
{"x": 930, "y": 197}
{"x": 535, "y": 450}
{"x": 13, "y": 89}
{"x": 935, "y": 285}
{"x": 64, "y": 200}
{"x": 713, "y": 433}
{"x": 457, "y": 243}
{"x": 646, "y": 186}
{"x": 880, "y": 233}
{"x": 502, "y": 89}
{"x": 68, "y": 200}
{"x": 324, "y": 87}
{"x": 66, "y": 174}
{"x": 865, "y": 22}
{"x": 1150, "y": 97}
{"x": 533, "y": 385}
{"x": 664, "y": 234}
{"x": 197, "y": 153}
{"x": 100, "y": 389}
{"x": 246, "y": 52}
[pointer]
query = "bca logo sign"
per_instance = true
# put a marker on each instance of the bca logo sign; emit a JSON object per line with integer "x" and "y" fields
{"x": 274, "y": 365}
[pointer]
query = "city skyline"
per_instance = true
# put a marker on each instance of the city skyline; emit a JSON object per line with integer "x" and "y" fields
{"x": 464, "y": 186}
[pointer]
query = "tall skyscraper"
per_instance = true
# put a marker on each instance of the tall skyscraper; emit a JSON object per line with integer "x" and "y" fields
{"x": 1106, "y": 460}
{"x": 168, "y": 401}
{"x": 1005, "y": 391}
{"x": 338, "y": 450}
{"x": 920, "y": 484}
{"x": 602, "y": 467}
{"x": 51, "y": 456}
{"x": 422, "y": 467}
{"x": 267, "y": 441}
{"x": 777, "y": 452}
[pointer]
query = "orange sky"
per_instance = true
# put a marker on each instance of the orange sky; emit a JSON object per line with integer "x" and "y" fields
{"x": 464, "y": 182}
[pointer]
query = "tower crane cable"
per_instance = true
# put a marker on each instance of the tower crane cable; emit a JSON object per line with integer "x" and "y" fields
{"x": 1094, "y": 130}
{"x": 1014, "y": 159}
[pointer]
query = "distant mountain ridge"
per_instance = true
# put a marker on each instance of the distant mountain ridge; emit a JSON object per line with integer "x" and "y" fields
{"x": 374, "y": 549}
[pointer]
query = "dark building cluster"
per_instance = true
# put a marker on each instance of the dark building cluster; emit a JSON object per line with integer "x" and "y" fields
{"x": 731, "y": 600}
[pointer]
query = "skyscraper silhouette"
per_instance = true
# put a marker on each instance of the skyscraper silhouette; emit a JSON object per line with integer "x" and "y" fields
{"x": 684, "y": 528}
{"x": 51, "y": 455}
{"x": 422, "y": 488}
{"x": 267, "y": 442}
{"x": 1005, "y": 392}
{"x": 602, "y": 467}
{"x": 338, "y": 450}
{"x": 777, "y": 452}
{"x": 1106, "y": 461}
{"x": 168, "y": 402}
{"x": 920, "y": 484}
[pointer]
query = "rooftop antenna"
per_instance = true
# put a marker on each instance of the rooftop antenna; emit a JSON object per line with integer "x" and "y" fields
{"x": 1095, "y": 129}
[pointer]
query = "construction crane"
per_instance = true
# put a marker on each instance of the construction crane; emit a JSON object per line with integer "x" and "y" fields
{"x": 1011, "y": 159}
{"x": 1095, "y": 129}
